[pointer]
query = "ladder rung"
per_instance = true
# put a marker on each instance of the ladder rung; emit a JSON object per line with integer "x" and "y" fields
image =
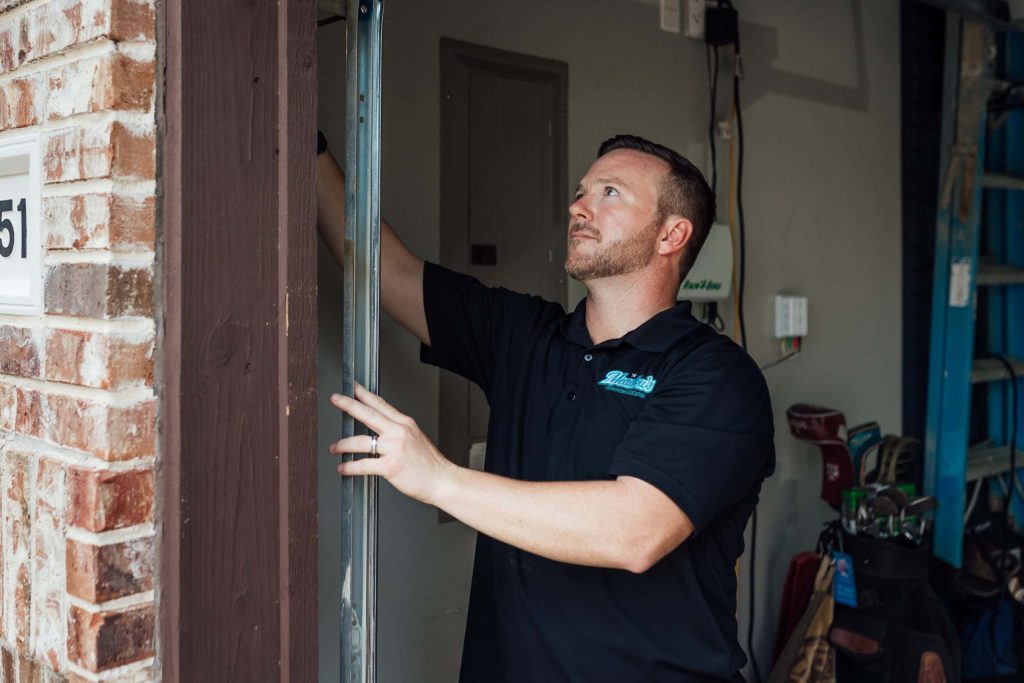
{"x": 998, "y": 181}
{"x": 985, "y": 460}
{"x": 992, "y": 370}
{"x": 990, "y": 274}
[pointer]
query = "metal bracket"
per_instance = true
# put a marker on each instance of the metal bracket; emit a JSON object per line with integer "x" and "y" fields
{"x": 361, "y": 331}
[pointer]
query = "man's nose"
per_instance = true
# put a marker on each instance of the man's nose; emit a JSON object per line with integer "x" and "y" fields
{"x": 580, "y": 209}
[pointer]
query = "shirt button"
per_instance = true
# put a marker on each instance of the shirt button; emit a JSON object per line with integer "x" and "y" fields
{"x": 588, "y": 358}
{"x": 571, "y": 396}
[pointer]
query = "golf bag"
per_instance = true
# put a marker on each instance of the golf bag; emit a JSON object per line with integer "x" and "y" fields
{"x": 900, "y": 631}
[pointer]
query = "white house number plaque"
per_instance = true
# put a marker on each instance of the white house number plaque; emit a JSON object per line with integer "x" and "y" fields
{"x": 21, "y": 284}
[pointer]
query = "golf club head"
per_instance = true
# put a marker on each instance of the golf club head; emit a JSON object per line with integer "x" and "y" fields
{"x": 882, "y": 506}
{"x": 920, "y": 506}
{"x": 894, "y": 494}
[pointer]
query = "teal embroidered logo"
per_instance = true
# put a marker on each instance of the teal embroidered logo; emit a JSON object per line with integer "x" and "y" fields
{"x": 628, "y": 383}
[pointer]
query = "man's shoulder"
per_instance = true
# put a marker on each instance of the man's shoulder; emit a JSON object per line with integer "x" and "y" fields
{"x": 714, "y": 366}
{"x": 707, "y": 350}
{"x": 445, "y": 282}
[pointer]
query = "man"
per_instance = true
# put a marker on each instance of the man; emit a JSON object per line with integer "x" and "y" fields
{"x": 626, "y": 447}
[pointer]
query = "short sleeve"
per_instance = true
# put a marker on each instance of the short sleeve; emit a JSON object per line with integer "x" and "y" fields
{"x": 469, "y": 323}
{"x": 705, "y": 437}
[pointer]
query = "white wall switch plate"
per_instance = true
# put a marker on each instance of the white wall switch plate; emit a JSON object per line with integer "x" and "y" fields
{"x": 670, "y": 16}
{"x": 790, "y": 316}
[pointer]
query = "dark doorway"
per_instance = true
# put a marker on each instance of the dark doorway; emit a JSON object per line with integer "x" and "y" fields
{"x": 504, "y": 145}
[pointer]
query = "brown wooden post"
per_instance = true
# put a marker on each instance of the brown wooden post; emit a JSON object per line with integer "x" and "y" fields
{"x": 238, "y": 582}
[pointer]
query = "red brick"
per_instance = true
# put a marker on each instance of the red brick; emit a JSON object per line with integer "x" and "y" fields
{"x": 25, "y": 42}
{"x": 77, "y": 221}
{"x": 8, "y": 667}
{"x": 57, "y": 25}
{"x": 8, "y": 407}
{"x": 108, "y": 432}
{"x": 97, "y": 573}
{"x": 132, "y": 223}
{"x": 16, "y": 542}
{"x": 99, "y": 290}
{"x": 30, "y": 419}
{"x": 19, "y": 351}
{"x": 101, "y": 501}
{"x": 32, "y": 671}
{"x": 100, "y": 221}
{"x": 49, "y": 599}
{"x": 21, "y": 102}
{"x": 133, "y": 20}
{"x": 8, "y": 38}
{"x": 111, "y": 82}
{"x": 99, "y": 150}
{"x": 96, "y": 359}
{"x": 131, "y": 84}
{"x": 103, "y": 640}
{"x": 134, "y": 153}
{"x": 77, "y": 153}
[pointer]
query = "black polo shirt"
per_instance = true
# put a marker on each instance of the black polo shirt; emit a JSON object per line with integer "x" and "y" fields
{"x": 672, "y": 403}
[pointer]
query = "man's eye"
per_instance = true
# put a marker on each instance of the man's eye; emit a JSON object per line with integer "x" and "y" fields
{"x": 611, "y": 192}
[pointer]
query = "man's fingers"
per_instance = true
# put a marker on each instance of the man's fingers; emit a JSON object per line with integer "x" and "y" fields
{"x": 352, "y": 444}
{"x": 369, "y": 416}
{"x": 362, "y": 467}
{"x": 374, "y": 401}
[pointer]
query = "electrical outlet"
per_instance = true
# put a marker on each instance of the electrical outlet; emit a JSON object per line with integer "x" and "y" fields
{"x": 790, "y": 316}
{"x": 670, "y": 16}
{"x": 695, "y": 18}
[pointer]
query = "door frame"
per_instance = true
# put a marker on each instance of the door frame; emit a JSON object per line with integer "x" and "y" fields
{"x": 237, "y": 334}
{"x": 453, "y": 389}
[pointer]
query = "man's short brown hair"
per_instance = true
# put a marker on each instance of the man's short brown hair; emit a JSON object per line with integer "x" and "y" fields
{"x": 683, "y": 192}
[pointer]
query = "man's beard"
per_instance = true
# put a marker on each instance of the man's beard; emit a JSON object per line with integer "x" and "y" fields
{"x": 618, "y": 258}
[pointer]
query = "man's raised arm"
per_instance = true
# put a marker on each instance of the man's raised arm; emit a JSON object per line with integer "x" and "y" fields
{"x": 401, "y": 278}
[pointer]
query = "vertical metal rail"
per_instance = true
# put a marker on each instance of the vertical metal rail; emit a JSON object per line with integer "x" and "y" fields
{"x": 360, "y": 331}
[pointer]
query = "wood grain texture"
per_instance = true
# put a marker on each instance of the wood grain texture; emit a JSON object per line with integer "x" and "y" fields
{"x": 298, "y": 492}
{"x": 240, "y": 379}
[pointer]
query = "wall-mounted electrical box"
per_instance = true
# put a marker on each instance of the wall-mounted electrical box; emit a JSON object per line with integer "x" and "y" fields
{"x": 790, "y": 316}
{"x": 710, "y": 277}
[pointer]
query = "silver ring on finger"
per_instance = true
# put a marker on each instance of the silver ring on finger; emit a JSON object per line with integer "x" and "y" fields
{"x": 373, "y": 446}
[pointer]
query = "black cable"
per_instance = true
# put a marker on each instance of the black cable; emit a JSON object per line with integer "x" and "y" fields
{"x": 712, "y": 317}
{"x": 742, "y": 281}
{"x": 736, "y": 72}
{"x": 739, "y": 193}
{"x": 713, "y": 92}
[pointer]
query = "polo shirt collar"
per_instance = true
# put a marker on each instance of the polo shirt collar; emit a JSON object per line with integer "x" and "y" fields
{"x": 657, "y": 334}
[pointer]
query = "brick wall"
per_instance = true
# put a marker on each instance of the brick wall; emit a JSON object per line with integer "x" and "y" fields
{"x": 77, "y": 405}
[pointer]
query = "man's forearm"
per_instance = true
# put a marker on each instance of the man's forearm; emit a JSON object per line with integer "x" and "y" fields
{"x": 330, "y": 205}
{"x": 593, "y": 523}
{"x": 401, "y": 270}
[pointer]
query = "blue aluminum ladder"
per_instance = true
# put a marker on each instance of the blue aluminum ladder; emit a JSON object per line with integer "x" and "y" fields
{"x": 979, "y": 252}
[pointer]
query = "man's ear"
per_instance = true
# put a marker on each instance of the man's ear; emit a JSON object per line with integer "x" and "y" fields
{"x": 675, "y": 235}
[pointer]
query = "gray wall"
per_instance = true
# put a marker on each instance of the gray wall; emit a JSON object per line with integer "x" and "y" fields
{"x": 821, "y": 190}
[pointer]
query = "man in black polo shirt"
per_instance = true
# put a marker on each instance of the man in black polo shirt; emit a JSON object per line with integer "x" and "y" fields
{"x": 626, "y": 447}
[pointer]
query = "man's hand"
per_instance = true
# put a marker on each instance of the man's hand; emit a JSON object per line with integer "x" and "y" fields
{"x": 405, "y": 456}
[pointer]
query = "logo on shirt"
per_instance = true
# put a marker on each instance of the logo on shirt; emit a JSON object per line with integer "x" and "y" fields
{"x": 628, "y": 383}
